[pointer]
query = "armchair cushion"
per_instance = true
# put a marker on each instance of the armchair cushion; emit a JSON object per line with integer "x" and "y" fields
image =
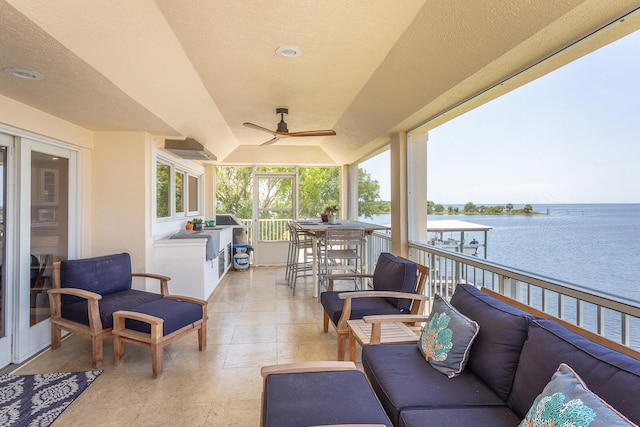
{"x": 103, "y": 275}
{"x": 395, "y": 274}
{"x": 360, "y": 307}
{"x": 123, "y": 300}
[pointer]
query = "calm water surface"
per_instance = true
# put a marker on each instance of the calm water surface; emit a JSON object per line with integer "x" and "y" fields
{"x": 594, "y": 246}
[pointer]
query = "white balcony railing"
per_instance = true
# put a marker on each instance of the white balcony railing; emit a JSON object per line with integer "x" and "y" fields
{"x": 605, "y": 314}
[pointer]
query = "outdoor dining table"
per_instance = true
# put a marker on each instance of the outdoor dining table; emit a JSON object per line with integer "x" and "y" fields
{"x": 317, "y": 229}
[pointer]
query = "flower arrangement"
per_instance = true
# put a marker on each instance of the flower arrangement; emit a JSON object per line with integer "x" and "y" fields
{"x": 331, "y": 210}
{"x": 329, "y": 213}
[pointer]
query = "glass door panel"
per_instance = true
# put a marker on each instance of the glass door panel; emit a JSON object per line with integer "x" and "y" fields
{"x": 6, "y": 332}
{"x": 49, "y": 227}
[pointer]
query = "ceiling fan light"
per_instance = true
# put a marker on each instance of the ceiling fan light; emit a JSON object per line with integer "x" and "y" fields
{"x": 23, "y": 73}
{"x": 289, "y": 51}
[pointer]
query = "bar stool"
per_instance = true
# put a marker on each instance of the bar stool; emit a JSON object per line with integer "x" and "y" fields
{"x": 343, "y": 250}
{"x": 300, "y": 256}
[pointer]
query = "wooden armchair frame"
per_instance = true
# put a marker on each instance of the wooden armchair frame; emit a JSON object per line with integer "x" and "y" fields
{"x": 155, "y": 340}
{"x": 342, "y": 328}
{"x": 94, "y": 331}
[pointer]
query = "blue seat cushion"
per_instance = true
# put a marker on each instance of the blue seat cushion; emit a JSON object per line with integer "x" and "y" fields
{"x": 360, "y": 307}
{"x": 176, "y": 315}
{"x": 103, "y": 275}
{"x": 613, "y": 376}
{"x": 496, "y": 350}
{"x": 320, "y": 398}
{"x": 402, "y": 379}
{"x": 395, "y": 274}
{"x": 456, "y": 417}
{"x": 123, "y": 300}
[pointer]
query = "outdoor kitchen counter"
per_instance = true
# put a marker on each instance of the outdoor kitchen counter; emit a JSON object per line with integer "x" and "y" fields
{"x": 196, "y": 261}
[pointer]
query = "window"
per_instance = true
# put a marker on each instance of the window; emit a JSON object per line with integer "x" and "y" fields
{"x": 565, "y": 145}
{"x": 193, "y": 193}
{"x": 162, "y": 190}
{"x": 179, "y": 192}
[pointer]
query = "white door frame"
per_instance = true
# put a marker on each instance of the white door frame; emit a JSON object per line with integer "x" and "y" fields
{"x": 271, "y": 253}
{"x": 29, "y": 340}
{"x": 6, "y": 341}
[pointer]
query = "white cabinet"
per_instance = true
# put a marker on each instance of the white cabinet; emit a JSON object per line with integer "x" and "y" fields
{"x": 184, "y": 260}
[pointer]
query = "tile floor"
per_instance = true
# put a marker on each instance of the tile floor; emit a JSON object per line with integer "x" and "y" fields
{"x": 253, "y": 321}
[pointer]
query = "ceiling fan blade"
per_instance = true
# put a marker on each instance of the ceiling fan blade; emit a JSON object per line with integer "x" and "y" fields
{"x": 256, "y": 127}
{"x": 271, "y": 141}
{"x": 313, "y": 133}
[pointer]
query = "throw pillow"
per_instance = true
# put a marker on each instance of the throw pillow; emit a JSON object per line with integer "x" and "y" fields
{"x": 446, "y": 338}
{"x": 567, "y": 402}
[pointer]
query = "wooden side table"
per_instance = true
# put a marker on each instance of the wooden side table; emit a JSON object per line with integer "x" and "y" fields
{"x": 389, "y": 332}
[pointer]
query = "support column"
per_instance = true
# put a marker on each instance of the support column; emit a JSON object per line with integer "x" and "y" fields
{"x": 209, "y": 191}
{"x": 417, "y": 185}
{"x": 399, "y": 194}
{"x": 351, "y": 197}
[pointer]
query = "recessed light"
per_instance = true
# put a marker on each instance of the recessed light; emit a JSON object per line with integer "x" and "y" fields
{"x": 24, "y": 73}
{"x": 289, "y": 51}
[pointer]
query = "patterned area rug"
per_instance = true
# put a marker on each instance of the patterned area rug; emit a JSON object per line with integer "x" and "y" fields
{"x": 37, "y": 400}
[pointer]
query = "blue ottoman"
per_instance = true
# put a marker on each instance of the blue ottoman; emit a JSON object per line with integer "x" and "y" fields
{"x": 319, "y": 393}
{"x": 158, "y": 323}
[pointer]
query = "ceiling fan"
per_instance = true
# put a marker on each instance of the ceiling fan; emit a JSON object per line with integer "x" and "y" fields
{"x": 283, "y": 131}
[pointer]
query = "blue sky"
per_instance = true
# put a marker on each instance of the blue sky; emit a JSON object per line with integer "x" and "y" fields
{"x": 572, "y": 136}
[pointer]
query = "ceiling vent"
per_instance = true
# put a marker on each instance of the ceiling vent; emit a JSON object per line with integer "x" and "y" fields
{"x": 188, "y": 149}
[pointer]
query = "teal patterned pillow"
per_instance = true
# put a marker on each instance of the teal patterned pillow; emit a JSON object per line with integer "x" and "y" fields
{"x": 567, "y": 402}
{"x": 446, "y": 338}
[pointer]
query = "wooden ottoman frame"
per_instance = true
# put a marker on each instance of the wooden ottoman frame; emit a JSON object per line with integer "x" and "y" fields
{"x": 155, "y": 340}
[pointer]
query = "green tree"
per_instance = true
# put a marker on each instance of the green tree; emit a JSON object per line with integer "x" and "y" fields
{"x": 368, "y": 194}
{"x": 438, "y": 208}
{"x": 317, "y": 188}
{"x": 509, "y": 207}
{"x": 470, "y": 208}
{"x": 527, "y": 208}
{"x": 233, "y": 191}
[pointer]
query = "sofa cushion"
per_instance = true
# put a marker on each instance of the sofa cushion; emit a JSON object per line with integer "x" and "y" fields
{"x": 176, "y": 315}
{"x": 320, "y": 398}
{"x": 503, "y": 329}
{"x": 402, "y": 379}
{"x": 456, "y": 417}
{"x": 123, "y": 300}
{"x": 446, "y": 338}
{"x": 103, "y": 275}
{"x": 613, "y": 376}
{"x": 395, "y": 274}
{"x": 566, "y": 400}
{"x": 360, "y": 307}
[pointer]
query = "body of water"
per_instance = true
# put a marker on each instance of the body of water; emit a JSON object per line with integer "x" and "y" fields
{"x": 594, "y": 246}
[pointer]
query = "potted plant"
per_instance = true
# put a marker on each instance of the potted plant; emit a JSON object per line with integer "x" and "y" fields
{"x": 329, "y": 214}
{"x": 197, "y": 224}
{"x": 188, "y": 225}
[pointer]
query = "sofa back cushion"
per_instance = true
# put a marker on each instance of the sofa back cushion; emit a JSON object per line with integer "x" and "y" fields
{"x": 395, "y": 274}
{"x": 103, "y": 275}
{"x": 503, "y": 330}
{"x": 613, "y": 376}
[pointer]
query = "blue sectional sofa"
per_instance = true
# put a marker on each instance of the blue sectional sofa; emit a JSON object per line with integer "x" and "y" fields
{"x": 514, "y": 356}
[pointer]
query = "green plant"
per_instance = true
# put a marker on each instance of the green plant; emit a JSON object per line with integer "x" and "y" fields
{"x": 197, "y": 221}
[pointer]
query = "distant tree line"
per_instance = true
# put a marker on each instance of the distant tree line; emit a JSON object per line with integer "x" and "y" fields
{"x": 473, "y": 209}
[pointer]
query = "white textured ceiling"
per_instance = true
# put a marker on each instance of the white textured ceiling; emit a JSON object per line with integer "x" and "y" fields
{"x": 201, "y": 68}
